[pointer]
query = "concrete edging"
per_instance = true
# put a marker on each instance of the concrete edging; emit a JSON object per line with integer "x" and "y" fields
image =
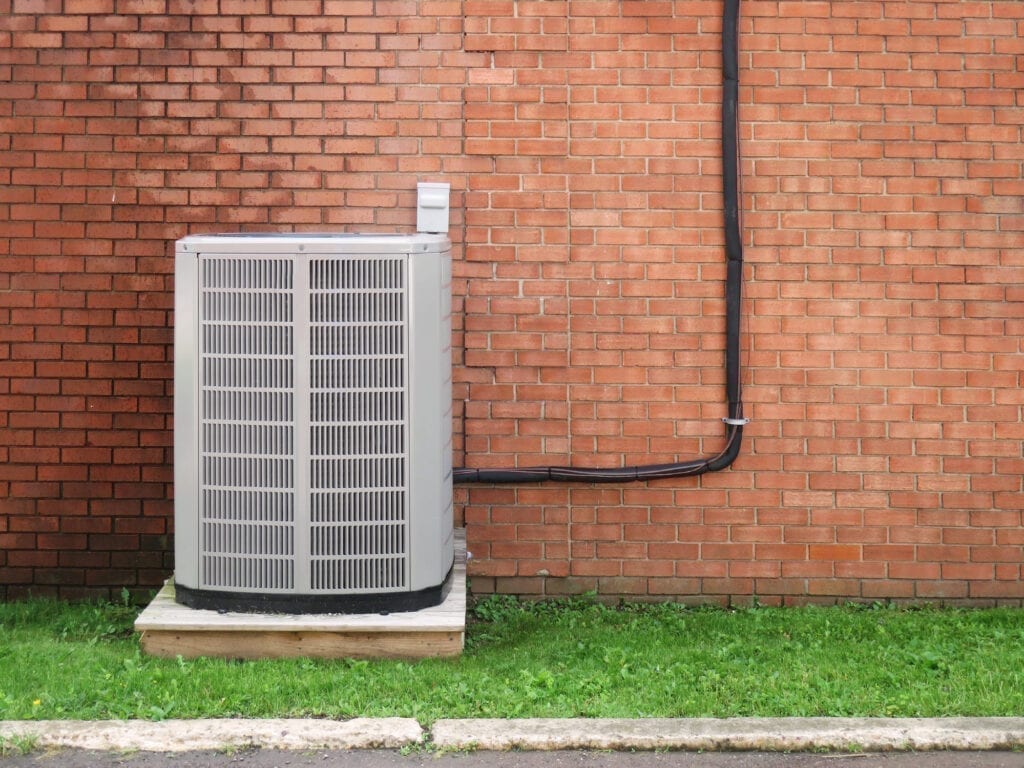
{"x": 734, "y": 734}
{"x": 198, "y": 735}
{"x": 704, "y": 734}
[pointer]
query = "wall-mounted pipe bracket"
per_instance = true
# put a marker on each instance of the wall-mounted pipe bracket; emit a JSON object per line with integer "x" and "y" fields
{"x": 735, "y": 422}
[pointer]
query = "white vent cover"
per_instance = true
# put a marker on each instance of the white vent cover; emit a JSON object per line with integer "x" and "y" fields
{"x": 312, "y": 422}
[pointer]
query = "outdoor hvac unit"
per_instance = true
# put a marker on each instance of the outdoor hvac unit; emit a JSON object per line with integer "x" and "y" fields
{"x": 312, "y": 422}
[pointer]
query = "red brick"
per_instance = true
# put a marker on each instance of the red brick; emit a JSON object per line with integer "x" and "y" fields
{"x": 876, "y": 210}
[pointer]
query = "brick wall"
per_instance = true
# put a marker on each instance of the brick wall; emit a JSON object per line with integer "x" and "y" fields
{"x": 883, "y": 179}
{"x": 124, "y": 125}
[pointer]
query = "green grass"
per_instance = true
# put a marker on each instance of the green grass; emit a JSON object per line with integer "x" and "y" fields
{"x": 18, "y": 745}
{"x": 544, "y": 660}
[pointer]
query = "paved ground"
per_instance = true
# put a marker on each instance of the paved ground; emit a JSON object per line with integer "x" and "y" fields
{"x": 576, "y": 759}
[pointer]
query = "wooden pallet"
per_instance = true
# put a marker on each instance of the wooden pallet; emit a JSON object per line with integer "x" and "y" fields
{"x": 169, "y": 629}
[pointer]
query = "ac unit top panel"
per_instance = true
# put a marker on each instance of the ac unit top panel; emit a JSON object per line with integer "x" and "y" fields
{"x": 314, "y": 243}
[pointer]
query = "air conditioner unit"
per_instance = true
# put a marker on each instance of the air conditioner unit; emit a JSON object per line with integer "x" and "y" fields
{"x": 312, "y": 422}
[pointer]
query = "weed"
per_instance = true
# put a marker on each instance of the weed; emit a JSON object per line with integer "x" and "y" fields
{"x": 424, "y": 746}
{"x": 232, "y": 750}
{"x": 496, "y": 608}
{"x": 18, "y": 745}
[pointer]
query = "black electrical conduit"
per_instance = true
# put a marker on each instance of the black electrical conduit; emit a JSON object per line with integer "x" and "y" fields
{"x": 734, "y": 279}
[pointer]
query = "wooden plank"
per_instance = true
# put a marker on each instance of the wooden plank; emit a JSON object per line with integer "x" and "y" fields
{"x": 323, "y": 645}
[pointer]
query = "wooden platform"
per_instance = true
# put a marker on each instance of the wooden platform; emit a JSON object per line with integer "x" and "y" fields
{"x": 169, "y": 629}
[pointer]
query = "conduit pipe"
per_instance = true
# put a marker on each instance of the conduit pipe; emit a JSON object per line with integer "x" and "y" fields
{"x": 733, "y": 293}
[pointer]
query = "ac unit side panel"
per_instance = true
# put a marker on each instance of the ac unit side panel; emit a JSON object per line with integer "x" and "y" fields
{"x": 447, "y": 543}
{"x": 446, "y": 540}
{"x": 431, "y": 480}
{"x": 186, "y": 484}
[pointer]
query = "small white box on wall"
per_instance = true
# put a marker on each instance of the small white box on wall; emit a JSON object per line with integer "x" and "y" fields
{"x": 432, "y": 207}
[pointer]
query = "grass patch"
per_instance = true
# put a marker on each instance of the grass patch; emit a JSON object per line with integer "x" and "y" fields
{"x": 18, "y": 745}
{"x": 567, "y": 659}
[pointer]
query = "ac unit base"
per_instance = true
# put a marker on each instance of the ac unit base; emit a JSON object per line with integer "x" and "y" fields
{"x": 248, "y": 602}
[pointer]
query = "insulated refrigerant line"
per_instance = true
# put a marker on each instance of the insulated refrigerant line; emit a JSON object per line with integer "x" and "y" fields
{"x": 733, "y": 293}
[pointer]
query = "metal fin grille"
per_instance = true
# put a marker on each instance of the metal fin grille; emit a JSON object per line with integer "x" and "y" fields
{"x": 247, "y": 433}
{"x": 358, "y": 430}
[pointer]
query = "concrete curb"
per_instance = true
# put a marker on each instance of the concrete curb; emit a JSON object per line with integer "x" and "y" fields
{"x": 734, "y": 734}
{"x": 706, "y": 734}
{"x": 197, "y": 735}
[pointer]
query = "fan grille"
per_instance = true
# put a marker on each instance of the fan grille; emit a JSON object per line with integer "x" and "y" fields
{"x": 358, "y": 424}
{"x": 317, "y": 478}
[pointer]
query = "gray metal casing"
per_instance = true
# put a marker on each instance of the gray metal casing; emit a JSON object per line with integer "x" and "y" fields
{"x": 312, "y": 413}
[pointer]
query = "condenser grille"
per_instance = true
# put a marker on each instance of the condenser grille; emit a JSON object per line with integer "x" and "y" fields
{"x": 246, "y": 424}
{"x": 358, "y": 424}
